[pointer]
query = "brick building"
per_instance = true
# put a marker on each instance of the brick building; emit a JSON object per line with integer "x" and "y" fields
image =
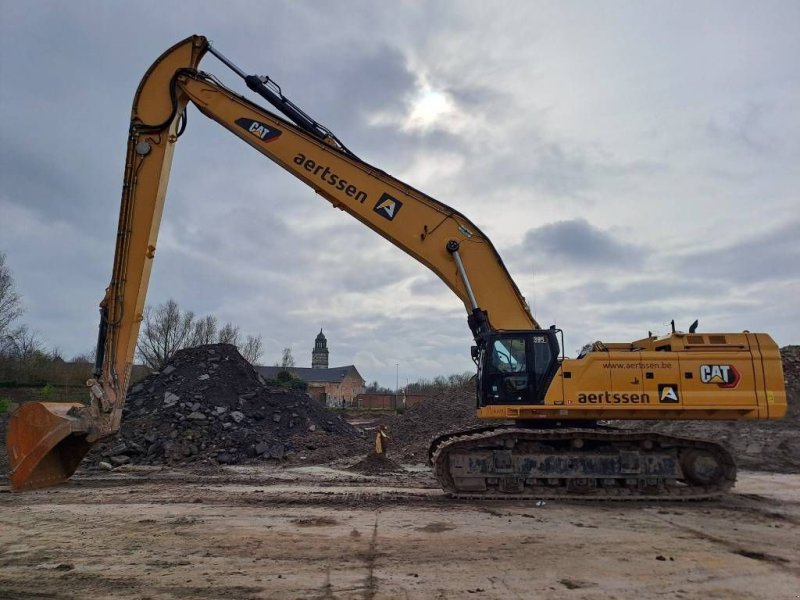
{"x": 333, "y": 386}
{"x": 388, "y": 401}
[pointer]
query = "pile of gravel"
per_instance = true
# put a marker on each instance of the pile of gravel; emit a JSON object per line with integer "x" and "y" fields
{"x": 209, "y": 405}
{"x": 376, "y": 464}
{"x": 451, "y": 410}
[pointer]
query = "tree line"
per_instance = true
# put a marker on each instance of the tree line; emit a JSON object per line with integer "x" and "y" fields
{"x": 17, "y": 341}
{"x": 427, "y": 387}
{"x": 165, "y": 329}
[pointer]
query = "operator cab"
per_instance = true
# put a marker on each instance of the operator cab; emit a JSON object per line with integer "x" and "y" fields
{"x": 516, "y": 367}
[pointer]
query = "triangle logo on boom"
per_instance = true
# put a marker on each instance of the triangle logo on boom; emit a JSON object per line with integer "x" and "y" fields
{"x": 388, "y": 207}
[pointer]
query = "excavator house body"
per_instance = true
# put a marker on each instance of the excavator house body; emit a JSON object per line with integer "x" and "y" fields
{"x": 679, "y": 376}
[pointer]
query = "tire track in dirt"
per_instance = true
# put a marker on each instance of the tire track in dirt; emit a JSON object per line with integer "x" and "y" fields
{"x": 779, "y": 562}
{"x": 371, "y": 582}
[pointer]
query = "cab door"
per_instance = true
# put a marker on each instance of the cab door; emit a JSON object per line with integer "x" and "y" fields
{"x": 516, "y": 368}
{"x": 507, "y": 376}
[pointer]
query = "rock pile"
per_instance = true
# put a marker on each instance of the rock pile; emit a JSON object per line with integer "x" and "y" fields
{"x": 412, "y": 432}
{"x": 209, "y": 405}
{"x": 791, "y": 373}
{"x": 376, "y": 464}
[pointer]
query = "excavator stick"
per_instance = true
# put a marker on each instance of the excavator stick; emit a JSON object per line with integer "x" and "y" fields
{"x": 45, "y": 444}
{"x": 46, "y": 441}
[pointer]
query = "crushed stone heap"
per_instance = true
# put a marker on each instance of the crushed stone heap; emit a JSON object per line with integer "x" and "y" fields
{"x": 376, "y": 464}
{"x": 451, "y": 410}
{"x": 209, "y": 405}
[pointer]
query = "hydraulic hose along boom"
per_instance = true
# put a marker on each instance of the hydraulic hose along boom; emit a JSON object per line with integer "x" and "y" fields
{"x": 521, "y": 375}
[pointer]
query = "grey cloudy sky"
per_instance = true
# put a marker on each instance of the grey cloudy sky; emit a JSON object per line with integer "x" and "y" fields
{"x": 632, "y": 162}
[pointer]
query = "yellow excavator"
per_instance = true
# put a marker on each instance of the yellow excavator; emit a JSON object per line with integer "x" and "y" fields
{"x": 558, "y": 444}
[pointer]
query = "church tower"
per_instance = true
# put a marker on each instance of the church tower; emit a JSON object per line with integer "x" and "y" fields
{"x": 319, "y": 355}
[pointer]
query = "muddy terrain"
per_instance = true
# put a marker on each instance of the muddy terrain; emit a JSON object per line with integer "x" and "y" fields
{"x": 315, "y": 532}
{"x": 223, "y": 485}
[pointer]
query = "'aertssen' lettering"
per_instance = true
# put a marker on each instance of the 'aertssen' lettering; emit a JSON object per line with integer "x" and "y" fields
{"x": 614, "y": 398}
{"x": 332, "y": 179}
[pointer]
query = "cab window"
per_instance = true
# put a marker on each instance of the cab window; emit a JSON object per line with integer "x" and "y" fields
{"x": 508, "y": 355}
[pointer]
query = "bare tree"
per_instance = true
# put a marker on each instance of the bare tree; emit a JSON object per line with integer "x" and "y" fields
{"x": 252, "y": 349}
{"x": 165, "y": 331}
{"x": 229, "y": 334}
{"x": 10, "y": 302}
{"x": 22, "y": 344}
{"x": 204, "y": 331}
{"x": 441, "y": 384}
{"x": 376, "y": 388}
{"x": 85, "y": 357}
{"x": 287, "y": 360}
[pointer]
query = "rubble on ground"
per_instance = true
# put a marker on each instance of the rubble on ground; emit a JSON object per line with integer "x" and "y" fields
{"x": 450, "y": 410}
{"x": 209, "y": 405}
{"x": 376, "y": 464}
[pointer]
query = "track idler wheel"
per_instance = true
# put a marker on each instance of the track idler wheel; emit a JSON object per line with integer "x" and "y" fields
{"x": 701, "y": 467}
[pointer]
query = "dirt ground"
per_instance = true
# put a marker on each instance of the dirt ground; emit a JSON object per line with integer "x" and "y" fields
{"x": 318, "y": 532}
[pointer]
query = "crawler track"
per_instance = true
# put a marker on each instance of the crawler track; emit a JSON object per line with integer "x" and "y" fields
{"x": 509, "y": 462}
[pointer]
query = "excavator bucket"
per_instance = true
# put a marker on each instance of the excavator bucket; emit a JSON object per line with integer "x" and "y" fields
{"x": 45, "y": 444}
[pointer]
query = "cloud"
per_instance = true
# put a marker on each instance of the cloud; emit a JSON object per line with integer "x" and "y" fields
{"x": 629, "y": 193}
{"x": 756, "y": 258}
{"x": 745, "y": 128}
{"x": 576, "y": 244}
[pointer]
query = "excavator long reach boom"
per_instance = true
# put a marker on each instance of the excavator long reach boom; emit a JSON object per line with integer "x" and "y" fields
{"x": 521, "y": 376}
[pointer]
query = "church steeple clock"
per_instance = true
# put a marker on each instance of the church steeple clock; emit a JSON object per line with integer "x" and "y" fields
{"x": 319, "y": 355}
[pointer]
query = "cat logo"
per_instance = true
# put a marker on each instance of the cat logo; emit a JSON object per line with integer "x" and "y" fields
{"x": 725, "y": 376}
{"x": 668, "y": 393}
{"x": 388, "y": 207}
{"x": 261, "y": 130}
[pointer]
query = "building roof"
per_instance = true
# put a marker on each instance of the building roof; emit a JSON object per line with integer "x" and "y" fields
{"x": 309, "y": 375}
